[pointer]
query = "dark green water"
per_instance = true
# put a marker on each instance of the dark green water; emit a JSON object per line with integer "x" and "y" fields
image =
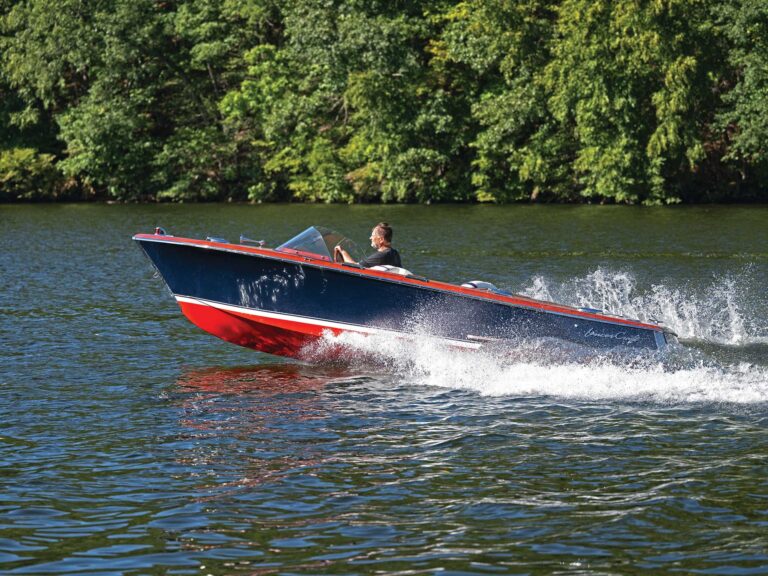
{"x": 133, "y": 443}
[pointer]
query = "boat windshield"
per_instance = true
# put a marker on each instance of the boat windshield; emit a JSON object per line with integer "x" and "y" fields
{"x": 319, "y": 242}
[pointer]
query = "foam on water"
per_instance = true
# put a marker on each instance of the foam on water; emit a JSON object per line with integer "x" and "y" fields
{"x": 533, "y": 372}
{"x": 680, "y": 375}
{"x": 715, "y": 314}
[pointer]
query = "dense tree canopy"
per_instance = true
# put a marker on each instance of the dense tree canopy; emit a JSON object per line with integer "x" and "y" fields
{"x": 625, "y": 101}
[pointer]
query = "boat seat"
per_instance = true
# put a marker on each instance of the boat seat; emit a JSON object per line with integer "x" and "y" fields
{"x": 391, "y": 269}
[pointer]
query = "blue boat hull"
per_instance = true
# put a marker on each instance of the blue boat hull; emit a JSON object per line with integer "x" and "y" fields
{"x": 270, "y": 302}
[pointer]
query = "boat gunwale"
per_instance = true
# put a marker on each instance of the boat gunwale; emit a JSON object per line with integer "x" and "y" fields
{"x": 433, "y": 285}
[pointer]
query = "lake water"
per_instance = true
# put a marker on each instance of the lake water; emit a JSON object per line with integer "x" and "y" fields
{"x": 133, "y": 443}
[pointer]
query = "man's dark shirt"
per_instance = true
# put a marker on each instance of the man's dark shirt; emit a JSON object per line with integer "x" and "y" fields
{"x": 389, "y": 257}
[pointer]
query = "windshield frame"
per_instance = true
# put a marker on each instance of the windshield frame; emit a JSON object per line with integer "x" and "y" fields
{"x": 318, "y": 242}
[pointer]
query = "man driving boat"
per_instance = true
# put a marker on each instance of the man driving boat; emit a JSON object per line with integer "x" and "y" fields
{"x": 381, "y": 239}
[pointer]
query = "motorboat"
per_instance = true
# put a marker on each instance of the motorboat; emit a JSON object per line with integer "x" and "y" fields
{"x": 286, "y": 299}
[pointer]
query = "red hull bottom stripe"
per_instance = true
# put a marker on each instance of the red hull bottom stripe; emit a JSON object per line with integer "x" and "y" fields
{"x": 279, "y": 334}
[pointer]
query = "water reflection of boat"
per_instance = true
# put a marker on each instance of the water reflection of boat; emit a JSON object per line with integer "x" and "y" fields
{"x": 237, "y": 408}
{"x": 267, "y": 380}
{"x": 282, "y": 300}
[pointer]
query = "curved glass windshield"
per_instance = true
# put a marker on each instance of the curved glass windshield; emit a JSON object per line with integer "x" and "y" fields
{"x": 319, "y": 242}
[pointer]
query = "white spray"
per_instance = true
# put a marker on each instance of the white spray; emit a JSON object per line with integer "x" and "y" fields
{"x": 537, "y": 369}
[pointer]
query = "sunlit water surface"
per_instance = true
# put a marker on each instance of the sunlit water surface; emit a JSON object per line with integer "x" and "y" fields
{"x": 133, "y": 443}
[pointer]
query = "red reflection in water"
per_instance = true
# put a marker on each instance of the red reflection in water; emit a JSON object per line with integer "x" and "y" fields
{"x": 242, "y": 420}
{"x": 249, "y": 400}
{"x": 263, "y": 380}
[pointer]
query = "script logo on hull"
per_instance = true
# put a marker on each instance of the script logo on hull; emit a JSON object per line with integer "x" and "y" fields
{"x": 620, "y": 336}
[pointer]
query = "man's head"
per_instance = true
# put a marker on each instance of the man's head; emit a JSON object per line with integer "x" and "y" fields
{"x": 381, "y": 235}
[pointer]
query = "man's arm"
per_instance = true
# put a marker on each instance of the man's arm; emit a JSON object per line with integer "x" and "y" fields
{"x": 344, "y": 255}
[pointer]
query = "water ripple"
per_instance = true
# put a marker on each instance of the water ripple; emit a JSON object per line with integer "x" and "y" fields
{"x": 131, "y": 443}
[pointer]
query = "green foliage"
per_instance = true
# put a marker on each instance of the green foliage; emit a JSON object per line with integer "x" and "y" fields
{"x": 134, "y": 87}
{"x": 504, "y": 47}
{"x": 27, "y": 175}
{"x": 102, "y": 144}
{"x": 196, "y": 164}
{"x": 423, "y": 101}
{"x": 630, "y": 81}
{"x": 745, "y": 119}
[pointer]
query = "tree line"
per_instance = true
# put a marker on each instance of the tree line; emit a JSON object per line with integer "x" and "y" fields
{"x": 626, "y": 101}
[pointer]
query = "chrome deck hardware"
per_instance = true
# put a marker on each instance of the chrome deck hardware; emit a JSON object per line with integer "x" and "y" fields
{"x": 244, "y": 240}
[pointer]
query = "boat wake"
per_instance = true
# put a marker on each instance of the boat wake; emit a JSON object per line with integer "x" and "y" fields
{"x": 727, "y": 363}
{"x": 715, "y": 313}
